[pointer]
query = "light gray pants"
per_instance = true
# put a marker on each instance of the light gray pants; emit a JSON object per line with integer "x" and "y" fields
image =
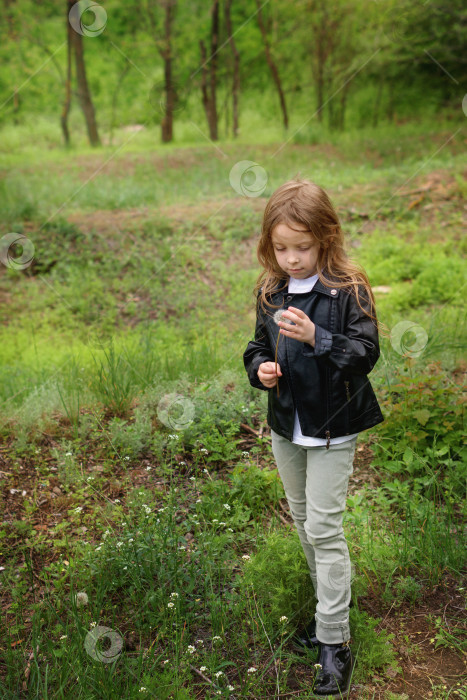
{"x": 315, "y": 481}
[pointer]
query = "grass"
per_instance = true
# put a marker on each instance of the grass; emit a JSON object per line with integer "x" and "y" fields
{"x": 122, "y": 397}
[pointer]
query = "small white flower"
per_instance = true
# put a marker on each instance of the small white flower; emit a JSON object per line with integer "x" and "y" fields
{"x": 245, "y": 454}
{"x": 131, "y": 539}
{"x": 203, "y": 668}
{"x": 127, "y": 459}
{"x": 64, "y": 636}
{"x": 182, "y": 464}
{"x": 283, "y": 618}
{"x": 90, "y": 478}
{"x": 229, "y": 529}
{"x": 226, "y": 506}
{"x": 203, "y": 450}
{"x": 318, "y": 666}
{"x": 116, "y": 500}
{"x": 124, "y": 568}
{"x": 246, "y": 557}
{"x": 119, "y": 544}
{"x": 216, "y": 638}
{"x": 222, "y": 523}
{"x": 218, "y": 674}
{"x": 192, "y": 478}
{"x": 106, "y": 534}
{"x": 142, "y": 689}
{"x": 205, "y": 471}
{"x": 252, "y": 669}
{"x": 93, "y": 624}
{"x": 98, "y": 548}
{"x": 148, "y": 469}
{"x": 174, "y": 595}
{"x": 78, "y": 509}
{"x": 199, "y": 641}
{"x": 198, "y": 500}
{"x": 68, "y": 454}
{"x": 191, "y": 649}
{"x": 170, "y": 605}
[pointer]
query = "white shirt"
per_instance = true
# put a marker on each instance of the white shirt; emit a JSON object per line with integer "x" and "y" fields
{"x": 300, "y": 286}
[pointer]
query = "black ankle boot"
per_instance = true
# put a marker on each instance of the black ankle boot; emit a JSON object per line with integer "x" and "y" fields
{"x": 333, "y": 678}
{"x": 306, "y": 638}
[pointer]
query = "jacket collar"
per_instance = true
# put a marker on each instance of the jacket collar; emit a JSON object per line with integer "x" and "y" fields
{"x": 317, "y": 287}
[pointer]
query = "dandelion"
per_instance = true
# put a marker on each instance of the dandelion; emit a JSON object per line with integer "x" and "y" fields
{"x": 278, "y": 317}
{"x": 81, "y": 599}
{"x": 252, "y": 669}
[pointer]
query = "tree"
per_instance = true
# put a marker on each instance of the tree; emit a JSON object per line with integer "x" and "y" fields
{"x": 209, "y": 75}
{"x": 75, "y": 45}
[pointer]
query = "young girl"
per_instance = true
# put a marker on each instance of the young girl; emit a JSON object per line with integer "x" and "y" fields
{"x": 316, "y": 340}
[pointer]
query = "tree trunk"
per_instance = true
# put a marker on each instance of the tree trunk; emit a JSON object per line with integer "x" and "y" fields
{"x": 272, "y": 66}
{"x": 236, "y": 69}
{"x": 67, "y": 102}
{"x": 83, "y": 88}
{"x": 213, "y": 70}
{"x": 208, "y": 88}
{"x": 167, "y": 120}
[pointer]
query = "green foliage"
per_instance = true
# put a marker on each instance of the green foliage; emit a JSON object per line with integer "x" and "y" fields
{"x": 422, "y": 438}
{"x": 279, "y": 576}
{"x": 372, "y": 648}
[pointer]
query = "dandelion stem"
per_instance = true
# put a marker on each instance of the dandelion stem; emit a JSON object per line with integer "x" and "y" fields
{"x": 275, "y": 361}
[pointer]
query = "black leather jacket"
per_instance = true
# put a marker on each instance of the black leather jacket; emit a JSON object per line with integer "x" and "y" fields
{"x": 327, "y": 384}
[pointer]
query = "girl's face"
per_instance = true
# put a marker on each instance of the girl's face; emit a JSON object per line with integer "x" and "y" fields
{"x": 296, "y": 251}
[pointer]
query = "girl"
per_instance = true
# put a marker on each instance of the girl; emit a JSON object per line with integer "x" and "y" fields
{"x": 316, "y": 340}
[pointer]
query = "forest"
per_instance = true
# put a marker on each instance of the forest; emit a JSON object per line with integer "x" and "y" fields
{"x": 147, "y": 546}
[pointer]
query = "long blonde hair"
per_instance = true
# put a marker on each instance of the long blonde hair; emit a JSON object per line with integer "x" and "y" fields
{"x": 303, "y": 202}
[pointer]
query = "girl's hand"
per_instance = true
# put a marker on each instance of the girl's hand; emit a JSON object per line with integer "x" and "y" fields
{"x": 267, "y": 374}
{"x": 304, "y": 329}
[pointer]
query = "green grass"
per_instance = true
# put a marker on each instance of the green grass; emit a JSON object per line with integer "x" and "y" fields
{"x": 122, "y": 386}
